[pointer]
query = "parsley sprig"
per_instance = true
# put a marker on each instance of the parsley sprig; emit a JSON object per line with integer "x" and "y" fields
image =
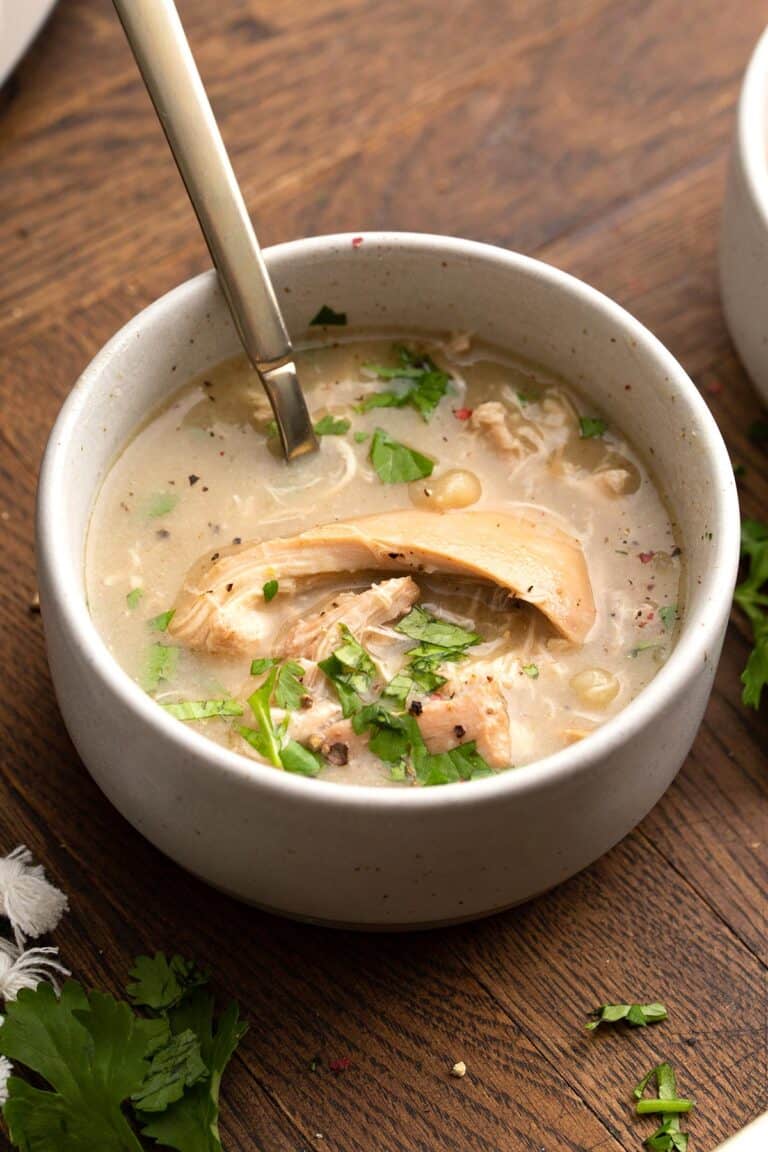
{"x": 668, "y": 1137}
{"x": 422, "y": 384}
{"x": 752, "y": 597}
{"x": 107, "y": 1075}
{"x": 636, "y": 1015}
{"x": 440, "y": 642}
{"x": 282, "y": 688}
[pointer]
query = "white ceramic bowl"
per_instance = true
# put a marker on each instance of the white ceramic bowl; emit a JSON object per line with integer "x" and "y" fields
{"x": 744, "y": 230}
{"x": 388, "y": 857}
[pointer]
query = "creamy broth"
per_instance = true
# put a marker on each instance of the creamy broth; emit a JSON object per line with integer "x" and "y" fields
{"x": 203, "y": 479}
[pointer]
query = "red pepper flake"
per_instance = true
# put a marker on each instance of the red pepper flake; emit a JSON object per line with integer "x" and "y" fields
{"x": 340, "y": 1065}
{"x": 462, "y": 413}
{"x": 357, "y": 241}
{"x": 646, "y": 557}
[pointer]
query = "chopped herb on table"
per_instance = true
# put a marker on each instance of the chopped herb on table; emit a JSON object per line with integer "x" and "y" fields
{"x": 396, "y": 463}
{"x": 105, "y": 1074}
{"x": 591, "y": 426}
{"x": 668, "y": 1137}
{"x": 636, "y": 1015}
{"x": 752, "y": 597}
{"x": 423, "y": 384}
{"x": 326, "y": 317}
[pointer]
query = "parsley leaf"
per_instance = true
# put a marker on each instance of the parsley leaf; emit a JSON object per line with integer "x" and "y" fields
{"x": 327, "y": 317}
{"x": 261, "y": 665}
{"x": 202, "y": 709}
{"x": 296, "y": 758}
{"x": 91, "y": 1050}
{"x": 161, "y": 665}
{"x": 174, "y": 1067}
{"x": 531, "y": 671}
{"x": 191, "y": 1124}
{"x": 160, "y": 504}
{"x": 332, "y": 426}
{"x": 752, "y": 597}
{"x": 591, "y": 426}
{"x": 264, "y": 738}
{"x": 419, "y": 625}
{"x": 669, "y": 616}
{"x": 133, "y": 598}
{"x": 668, "y": 1137}
{"x": 425, "y": 384}
{"x": 270, "y": 590}
{"x": 159, "y": 983}
{"x": 351, "y": 671}
{"x": 289, "y": 689}
{"x": 396, "y": 463}
{"x": 160, "y": 623}
{"x": 638, "y": 1015}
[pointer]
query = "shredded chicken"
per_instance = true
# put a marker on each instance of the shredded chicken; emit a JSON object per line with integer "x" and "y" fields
{"x": 221, "y": 606}
{"x": 478, "y": 713}
{"x": 490, "y": 418}
{"x": 317, "y": 635}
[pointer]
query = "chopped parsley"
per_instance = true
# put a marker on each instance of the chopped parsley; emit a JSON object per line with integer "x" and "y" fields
{"x": 203, "y": 709}
{"x": 637, "y": 1015}
{"x": 160, "y": 504}
{"x": 270, "y": 590}
{"x": 289, "y": 687}
{"x": 161, "y": 665}
{"x": 328, "y": 318}
{"x": 134, "y": 598}
{"x": 668, "y": 1137}
{"x": 283, "y": 688}
{"x": 752, "y": 597}
{"x": 423, "y": 384}
{"x": 396, "y": 739}
{"x": 259, "y": 666}
{"x": 351, "y": 671}
{"x": 646, "y": 646}
{"x": 396, "y": 463}
{"x": 360, "y": 437}
{"x": 440, "y": 642}
{"x": 160, "y": 623}
{"x": 531, "y": 670}
{"x": 592, "y": 426}
{"x": 332, "y": 426}
{"x": 298, "y": 759}
{"x": 669, "y": 616}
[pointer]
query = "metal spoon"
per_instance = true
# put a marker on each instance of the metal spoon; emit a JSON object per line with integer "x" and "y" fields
{"x": 165, "y": 60}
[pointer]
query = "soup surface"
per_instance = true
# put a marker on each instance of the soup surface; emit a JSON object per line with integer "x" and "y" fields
{"x": 474, "y": 571}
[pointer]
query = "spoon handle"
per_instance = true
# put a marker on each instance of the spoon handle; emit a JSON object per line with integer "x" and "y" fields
{"x": 159, "y": 44}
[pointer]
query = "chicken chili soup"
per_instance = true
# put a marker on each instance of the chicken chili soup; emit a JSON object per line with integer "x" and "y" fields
{"x": 474, "y": 571}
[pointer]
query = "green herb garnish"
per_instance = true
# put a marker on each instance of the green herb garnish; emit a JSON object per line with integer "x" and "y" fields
{"x": 160, "y": 504}
{"x": 327, "y": 318}
{"x": 752, "y": 597}
{"x": 203, "y": 709}
{"x": 592, "y": 426}
{"x": 261, "y": 665}
{"x": 296, "y": 758}
{"x": 419, "y": 625}
{"x": 646, "y": 646}
{"x": 160, "y": 623}
{"x": 94, "y": 1058}
{"x": 289, "y": 689}
{"x": 361, "y": 437}
{"x": 423, "y": 384}
{"x": 270, "y": 590}
{"x": 637, "y": 1015}
{"x": 394, "y": 738}
{"x": 396, "y": 463}
{"x": 332, "y": 426}
{"x": 282, "y": 687}
{"x": 161, "y": 665}
{"x": 440, "y": 643}
{"x": 351, "y": 671}
{"x": 669, "y": 616}
{"x": 531, "y": 670}
{"x": 264, "y": 738}
{"x": 134, "y": 597}
{"x": 668, "y": 1137}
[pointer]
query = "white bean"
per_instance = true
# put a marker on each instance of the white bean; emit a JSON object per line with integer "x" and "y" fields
{"x": 457, "y": 488}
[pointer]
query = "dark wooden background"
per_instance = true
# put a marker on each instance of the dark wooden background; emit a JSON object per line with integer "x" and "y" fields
{"x": 592, "y": 134}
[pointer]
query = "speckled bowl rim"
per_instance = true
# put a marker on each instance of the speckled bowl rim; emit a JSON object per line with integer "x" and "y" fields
{"x": 700, "y": 631}
{"x": 752, "y": 127}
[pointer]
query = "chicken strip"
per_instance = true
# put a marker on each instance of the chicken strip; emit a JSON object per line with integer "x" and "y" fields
{"x": 316, "y": 636}
{"x": 221, "y": 606}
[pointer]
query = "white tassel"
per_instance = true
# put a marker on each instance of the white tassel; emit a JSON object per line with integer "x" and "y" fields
{"x": 5, "y": 1071}
{"x": 31, "y": 903}
{"x": 27, "y": 969}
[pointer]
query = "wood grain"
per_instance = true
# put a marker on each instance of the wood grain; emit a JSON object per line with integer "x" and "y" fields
{"x": 593, "y": 135}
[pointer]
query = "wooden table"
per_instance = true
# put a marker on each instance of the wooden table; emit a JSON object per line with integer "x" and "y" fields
{"x": 592, "y": 134}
